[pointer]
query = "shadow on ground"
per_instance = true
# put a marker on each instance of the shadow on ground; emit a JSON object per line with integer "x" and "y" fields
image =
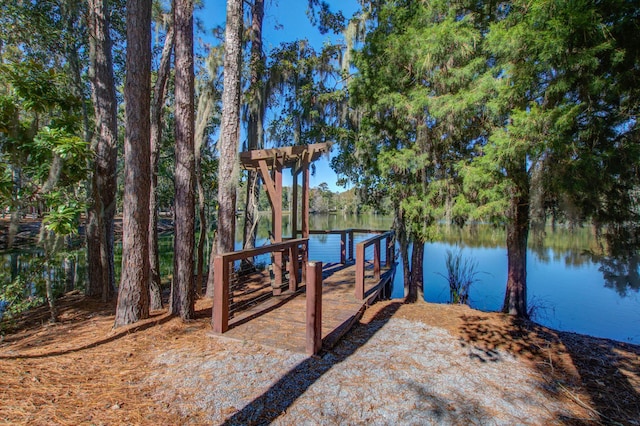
{"x": 573, "y": 366}
{"x": 427, "y": 406}
{"x": 281, "y": 395}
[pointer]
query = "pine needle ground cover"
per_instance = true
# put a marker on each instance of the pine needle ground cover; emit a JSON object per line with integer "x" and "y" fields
{"x": 419, "y": 363}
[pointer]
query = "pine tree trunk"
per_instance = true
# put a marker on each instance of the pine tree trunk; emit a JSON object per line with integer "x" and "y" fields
{"x": 230, "y": 128}
{"x": 206, "y": 102}
{"x": 72, "y": 48}
{"x": 104, "y": 181}
{"x": 133, "y": 296}
{"x": 229, "y": 137}
{"x": 255, "y": 123}
{"x": 155, "y": 290}
{"x": 183, "y": 288}
{"x": 69, "y": 265}
{"x": 417, "y": 272}
{"x": 515, "y": 299}
{"x": 401, "y": 236}
{"x": 214, "y": 250}
{"x": 16, "y": 210}
{"x": 202, "y": 238}
{"x": 51, "y": 301}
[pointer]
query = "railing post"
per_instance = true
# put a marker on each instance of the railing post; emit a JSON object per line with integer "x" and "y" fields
{"x": 293, "y": 267}
{"x": 343, "y": 247}
{"x": 277, "y": 273}
{"x": 359, "y": 272}
{"x": 376, "y": 259}
{"x": 390, "y": 250}
{"x": 220, "y": 295}
{"x": 314, "y": 308}
{"x": 305, "y": 259}
{"x": 350, "y": 232}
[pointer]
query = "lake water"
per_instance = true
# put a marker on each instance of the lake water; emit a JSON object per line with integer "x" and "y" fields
{"x": 570, "y": 285}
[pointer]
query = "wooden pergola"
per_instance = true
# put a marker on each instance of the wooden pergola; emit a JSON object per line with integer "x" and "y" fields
{"x": 269, "y": 164}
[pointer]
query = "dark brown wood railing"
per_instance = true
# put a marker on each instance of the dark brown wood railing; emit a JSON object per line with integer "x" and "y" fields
{"x": 361, "y": 261}
{"x": 295, "y": 250}
{"x": 292, "y": 256}
{"x": 346, "y": 239}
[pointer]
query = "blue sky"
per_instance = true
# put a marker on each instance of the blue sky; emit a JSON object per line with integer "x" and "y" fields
{"x": 286, "y": 20}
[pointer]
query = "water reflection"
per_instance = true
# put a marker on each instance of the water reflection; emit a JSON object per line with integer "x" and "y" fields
{"x": 620, "y": 273}
{"x": 570, "y": 279}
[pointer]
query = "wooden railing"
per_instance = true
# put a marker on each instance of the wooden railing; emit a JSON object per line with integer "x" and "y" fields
{"x": 292, "y": 255}
{"x": 347, "y": 241}
{"x": 361, "y": 261}
{"x": 295, "y": 250}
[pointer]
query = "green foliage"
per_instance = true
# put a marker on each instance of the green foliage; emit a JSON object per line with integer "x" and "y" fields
{"x": 40, "y": 89}
{"x": 62, "y": 219}
{"x": 497, "y": 112}
{"x": 472, "y": 98}
{"x": 415, "y": 124}
{"x": 39, "y": 121}
{"x": 46, "y": 161}
{"x": 16, "y": 299}
{"x": 303, "y": 93}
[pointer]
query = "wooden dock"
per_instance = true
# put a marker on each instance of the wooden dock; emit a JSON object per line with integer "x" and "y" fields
{"x": 280, "y": 321}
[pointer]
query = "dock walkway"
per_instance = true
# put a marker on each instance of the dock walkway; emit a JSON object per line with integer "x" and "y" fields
{"x": 280, "y": 321}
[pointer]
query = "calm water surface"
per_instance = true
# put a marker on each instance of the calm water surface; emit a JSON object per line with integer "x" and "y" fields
{"x": 571, "y": 286}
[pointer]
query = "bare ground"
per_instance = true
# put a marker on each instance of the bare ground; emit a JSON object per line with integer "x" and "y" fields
{"x": 408, "y": 364}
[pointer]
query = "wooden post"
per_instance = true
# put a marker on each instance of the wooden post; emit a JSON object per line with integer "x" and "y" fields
{"x": 350, "y": 232}
{"x": 220, "y": 295}
{"x": 376, "y": 259}
{"x": 294, "y": 205}
{"x": 305, "y": 198}
{"x": 274, "y": 191}
{"x": 293, "y": 267}
{"x": 360, "y": 272}
{"x": 277, "y": 226}
{"x": 314, "y": 308}
{"x": 305, "y": 259}
{"x": 343, "y": 247}
{"x": 390, "y": 251}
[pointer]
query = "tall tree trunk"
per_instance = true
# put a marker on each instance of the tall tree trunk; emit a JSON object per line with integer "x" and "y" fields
{"x": 16, "y": 210}
{"x": 229, "y": 137}
{"x": 255, "y": 132}
{"x": 104, "y": 181}
{"x": 133, "y": 296}
{"x": 51, "y": 244}
{"x": 230, "y": 128}
{"x": 401, "y": 235}
{"x": 202, "y": 217}
{"x": 183, "y": 289}
{"x": 206, "y": 103}
{"x": 51, "y": 301}
{"x": 69, "y": 264}
{"x": 212, "y": 256}
{"x": 72, "y": 47}
{"x": 515, "y": 299}
{"x": 155, "y": 293}
{"x": 417, "y": 272}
